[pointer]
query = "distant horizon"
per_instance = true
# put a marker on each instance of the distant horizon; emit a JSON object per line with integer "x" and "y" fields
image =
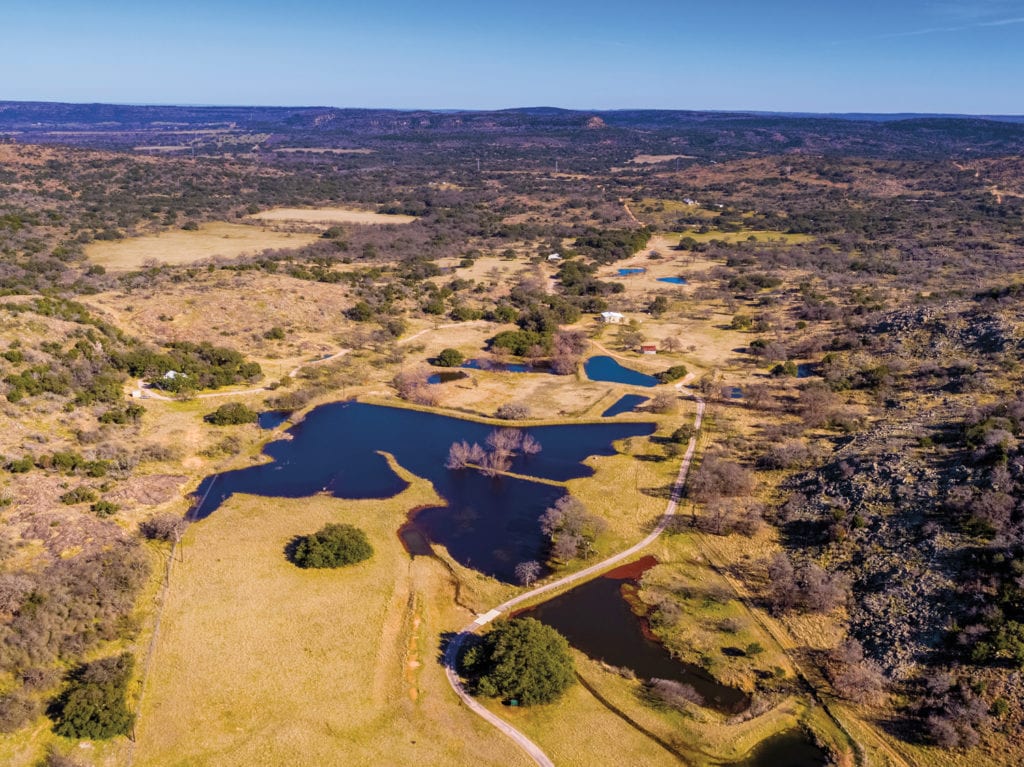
{"x": 450, "y": 110}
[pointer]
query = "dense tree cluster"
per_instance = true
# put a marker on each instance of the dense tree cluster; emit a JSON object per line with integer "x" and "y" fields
{"x": 94, "y": 704}
{"x": 521, "y": 659}
{"x": 612, "y": 245}
{"x": 186, "y": 365}
{"x": 231, "y": 413}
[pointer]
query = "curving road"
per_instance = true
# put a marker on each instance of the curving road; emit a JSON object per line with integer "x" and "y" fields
{"x": 452, "y": 652}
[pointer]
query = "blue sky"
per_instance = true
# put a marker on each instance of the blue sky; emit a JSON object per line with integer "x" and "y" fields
{"x": 791, "y": 55}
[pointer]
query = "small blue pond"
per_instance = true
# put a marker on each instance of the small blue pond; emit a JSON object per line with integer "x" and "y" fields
{"x": 606, "y": 369}
{"x": 446, "y": 376}
{"x": 804, "y": 371}
{"x": 673, "y": 280}
{"x": 627, "y": 271}
{"x": 625, "y": 405}
{"x": 502, "y": 367}
{"x": 271, "y": 419}
{"x": 734, "y": 392}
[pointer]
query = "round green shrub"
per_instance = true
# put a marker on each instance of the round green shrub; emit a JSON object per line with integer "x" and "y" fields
{"x": 449, "y": 358}
{"x": 334, "y": 545}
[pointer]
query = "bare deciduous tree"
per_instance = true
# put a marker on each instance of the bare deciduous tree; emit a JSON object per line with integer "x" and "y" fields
{"x": 572, "y": 528}
{"x": 530, "y": 445}
{"x": 668, "y": 692}
{"x": 664, "y": 402}
{"x": 853, "y": 676}
{"x": 505, "y": 441}
{"x": 672, "y": 344}
{"x": 822, "y": 591}
{"x": 412, "y": 386}
{"x": 163, "y": 527}
{"x": 569, "y": 346}
{"x": 783, "y": 591}
{"x": 718, "y": 478}
{"x": 462, "y": 454}
{"x": 495, "y": 463}
{"x": 513, "y": 411}
{"x": 527, "y": 572}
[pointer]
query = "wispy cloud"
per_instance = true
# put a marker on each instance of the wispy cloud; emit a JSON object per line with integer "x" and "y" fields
{"x": 958, "y": 28}
{"x": 975, "y": 10}
{"x": 939, "y": 30}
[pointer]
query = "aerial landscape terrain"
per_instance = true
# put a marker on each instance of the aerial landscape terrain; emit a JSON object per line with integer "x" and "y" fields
{"x": 526, "y": 436}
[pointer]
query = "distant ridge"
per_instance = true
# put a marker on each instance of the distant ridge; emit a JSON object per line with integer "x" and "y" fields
{"x": 94, "y": 110}
{"x": 594, "y": 138}
{"x": 895, "y": 116}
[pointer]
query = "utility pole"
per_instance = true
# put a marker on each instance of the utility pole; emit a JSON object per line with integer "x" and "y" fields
{"x": 477, "y": 164}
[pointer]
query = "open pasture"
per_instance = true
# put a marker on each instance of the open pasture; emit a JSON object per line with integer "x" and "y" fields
{"x": 178, "y": 246}
{"x": 330, "y": 216}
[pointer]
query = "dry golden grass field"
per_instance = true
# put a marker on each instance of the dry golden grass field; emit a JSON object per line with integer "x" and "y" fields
{"x": 274, "y": 665}
{"x": 653, "y": 159}
{"x": 236, "y": 309}
{"x": 211, "y": 240}
{"x": 331, "y": 216}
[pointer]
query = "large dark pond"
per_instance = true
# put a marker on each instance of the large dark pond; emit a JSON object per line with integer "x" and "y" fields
{"x": 490, "y": 524}
{"x": 607, "y": 369}
{"x": 787, "y": 749}
{"x": 598, "y": 621}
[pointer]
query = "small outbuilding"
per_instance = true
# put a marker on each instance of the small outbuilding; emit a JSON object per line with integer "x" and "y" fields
{"x": 649, "y": 348}
{"x": 612, "y": 318}
{"x": 555, "y": 257}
